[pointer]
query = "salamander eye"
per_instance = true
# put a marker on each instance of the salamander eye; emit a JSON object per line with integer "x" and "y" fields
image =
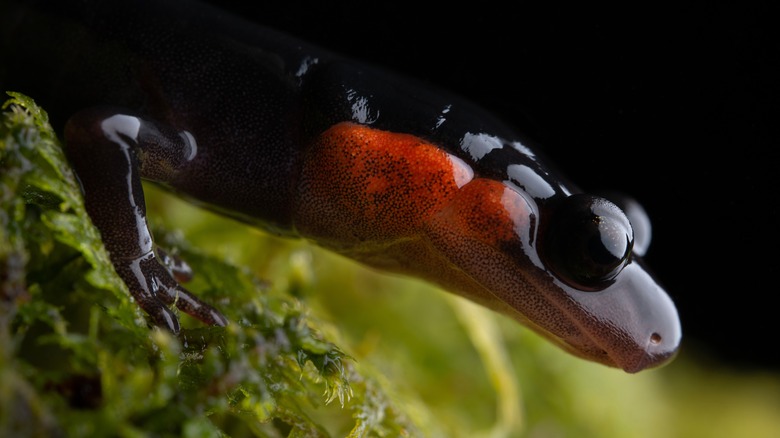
{"x": 587, "y": 241}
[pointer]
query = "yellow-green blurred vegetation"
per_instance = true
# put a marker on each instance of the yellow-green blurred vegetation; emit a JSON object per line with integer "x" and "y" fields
{"x": 318, "y": 345}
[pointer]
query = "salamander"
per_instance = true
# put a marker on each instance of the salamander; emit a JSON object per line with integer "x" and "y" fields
{"x": 305, "y": 143}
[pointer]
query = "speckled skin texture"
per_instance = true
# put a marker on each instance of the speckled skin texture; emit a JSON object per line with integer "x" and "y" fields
{"x": 289, "y": 137}
{"x": 388, "y": 188}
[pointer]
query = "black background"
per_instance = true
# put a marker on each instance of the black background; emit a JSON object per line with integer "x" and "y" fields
{"x": 675, "y": 106}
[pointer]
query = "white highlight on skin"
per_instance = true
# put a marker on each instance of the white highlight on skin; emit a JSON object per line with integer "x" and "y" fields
{"x": 189, "y": 139}
{"x": 115, "y": 125}
{"x": 523, "y": 211}
{"x": 361, "y": 112}
{"x": 479, "y": 145}
{"x": 461, "y": 172}
{"x": 441, "y": 119}
{"x": 530, "y": 181}
{"x": 523, "y": 149}
{"x": 116, "y": 128}
{"x": 305, "y": 64}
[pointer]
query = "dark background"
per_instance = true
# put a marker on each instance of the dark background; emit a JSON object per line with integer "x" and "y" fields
{"x": 676, "y": 106}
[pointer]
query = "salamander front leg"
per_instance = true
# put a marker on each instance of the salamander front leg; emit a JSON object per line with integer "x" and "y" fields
{"x": 107, "y": 149}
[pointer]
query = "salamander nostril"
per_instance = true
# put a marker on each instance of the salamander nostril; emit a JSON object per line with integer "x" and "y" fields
{"x": 655, "y": 339}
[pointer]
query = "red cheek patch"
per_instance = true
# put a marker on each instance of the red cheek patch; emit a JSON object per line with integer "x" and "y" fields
{"x": 483, "y": 210}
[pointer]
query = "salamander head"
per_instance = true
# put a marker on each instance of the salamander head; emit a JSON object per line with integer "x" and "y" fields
{"x": 569, "y": 272}
{"x": 568, "y": 269}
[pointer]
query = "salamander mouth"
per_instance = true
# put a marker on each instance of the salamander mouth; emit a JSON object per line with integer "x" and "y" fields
{"x": 641, "y": 360}
{"x": 587, "y": 347}
{"x": 633, "y": 325}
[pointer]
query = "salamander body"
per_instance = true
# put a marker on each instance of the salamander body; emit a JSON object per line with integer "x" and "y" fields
{"x": 302, "y": 142}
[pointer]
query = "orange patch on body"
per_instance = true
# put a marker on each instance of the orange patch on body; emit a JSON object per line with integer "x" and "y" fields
{"x": 361, "y": 185}
{"x": 487, "y": 211}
